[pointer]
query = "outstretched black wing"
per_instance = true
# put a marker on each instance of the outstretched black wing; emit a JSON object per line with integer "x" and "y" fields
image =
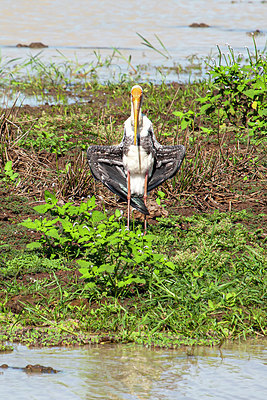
{"x": 106, "y": 166}
{"x": 167, "y": 163}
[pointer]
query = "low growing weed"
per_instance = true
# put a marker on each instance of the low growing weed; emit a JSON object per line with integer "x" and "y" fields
{"x": 218, "y": 283}
{"x": 30, "y": 263}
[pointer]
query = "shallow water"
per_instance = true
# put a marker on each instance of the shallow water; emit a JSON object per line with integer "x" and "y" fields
{"x": 236, "y": 371}
{"x": 77, "y": 28}
{"x": 8, "y": 99}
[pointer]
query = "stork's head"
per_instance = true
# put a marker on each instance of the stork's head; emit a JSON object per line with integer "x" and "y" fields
{"x": 136, "y": 101}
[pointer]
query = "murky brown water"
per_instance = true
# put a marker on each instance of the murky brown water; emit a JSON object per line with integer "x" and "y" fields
{"x": 68, "y": 26}
{"x": 237, "y": 371}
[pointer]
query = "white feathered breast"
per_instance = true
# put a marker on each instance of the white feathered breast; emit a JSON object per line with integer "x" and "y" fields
{"x": 137, "y": 161}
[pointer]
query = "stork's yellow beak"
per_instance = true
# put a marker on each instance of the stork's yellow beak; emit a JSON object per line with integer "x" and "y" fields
{"x": 136, "y": 99}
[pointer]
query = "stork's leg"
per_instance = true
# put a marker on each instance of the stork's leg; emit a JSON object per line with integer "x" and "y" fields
{"x": 145, "y": 201}
{"x": 128, "y": 199}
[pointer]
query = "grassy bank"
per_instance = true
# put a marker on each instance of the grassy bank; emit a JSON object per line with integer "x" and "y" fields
{"x": 71, "y": 273}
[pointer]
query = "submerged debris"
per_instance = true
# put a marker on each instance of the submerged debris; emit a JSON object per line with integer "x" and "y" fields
{"x": 199, "y": 25}
{"x": 37, "y": 368}
{"x": 33, "y": 45}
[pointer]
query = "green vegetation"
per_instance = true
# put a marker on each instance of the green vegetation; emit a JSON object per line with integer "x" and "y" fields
{"x": 86, "y": 234}
{"x": 214, "y": 288}
{"x": 238, "y": 95}
{"x": 70, "y": 270}
{"x": 10, "y": 175}
{"x": 5, "y": 348}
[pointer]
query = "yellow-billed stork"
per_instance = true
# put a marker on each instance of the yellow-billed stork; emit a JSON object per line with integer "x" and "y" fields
{"x": 139, "y": 163}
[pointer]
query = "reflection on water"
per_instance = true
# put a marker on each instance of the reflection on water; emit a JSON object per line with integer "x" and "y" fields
{"x": 237, "y": 371}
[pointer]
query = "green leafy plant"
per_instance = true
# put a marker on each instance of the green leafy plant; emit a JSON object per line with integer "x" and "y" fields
{"x": 237, "y": 93}
{"x": 111, "y": 258}
{"x": 186, "y": 118}
{"x": 129, "y": 260}
{"x": 160, "y": 198}
{"x": 10, "y": 175}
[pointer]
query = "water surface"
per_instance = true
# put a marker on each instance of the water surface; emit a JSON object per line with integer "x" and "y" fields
{"x": 236, "y": 371}
{"x": 78, "y": 28}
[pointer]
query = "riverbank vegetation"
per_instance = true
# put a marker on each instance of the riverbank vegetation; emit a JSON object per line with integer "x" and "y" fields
{"x": 70, "y": 271}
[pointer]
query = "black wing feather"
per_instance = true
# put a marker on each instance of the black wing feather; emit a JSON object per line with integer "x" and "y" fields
{"x": 167, "y": 163}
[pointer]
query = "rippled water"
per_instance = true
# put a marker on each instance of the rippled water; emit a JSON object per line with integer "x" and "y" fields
{"x": 237, "y": 371}
{"x": 77, "y": 28}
